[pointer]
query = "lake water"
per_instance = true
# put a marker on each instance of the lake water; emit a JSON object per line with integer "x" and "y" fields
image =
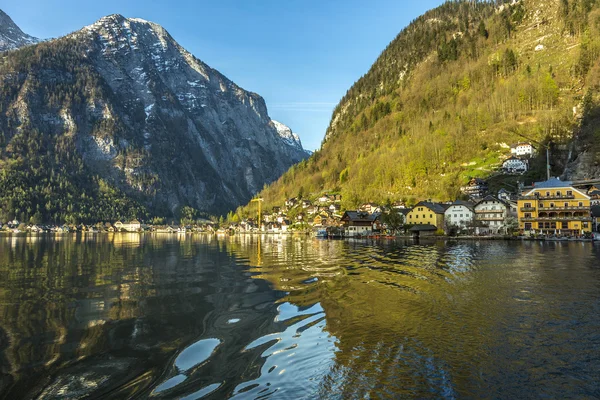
{"x": 167, "y": 316}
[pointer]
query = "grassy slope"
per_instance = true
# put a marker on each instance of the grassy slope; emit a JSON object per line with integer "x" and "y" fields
{"x": 424, "y": 135}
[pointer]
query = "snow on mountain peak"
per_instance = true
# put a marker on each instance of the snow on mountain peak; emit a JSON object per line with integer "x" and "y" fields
{"x": 11, "y": 36}
{"x": 286, "y": 135}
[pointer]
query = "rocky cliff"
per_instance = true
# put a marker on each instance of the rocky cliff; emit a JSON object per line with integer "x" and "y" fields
{"x": 11, "y": 36}
{"x": 145, "y": 116}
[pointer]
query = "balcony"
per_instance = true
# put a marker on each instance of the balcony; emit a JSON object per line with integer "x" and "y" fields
{"x": 490, "y": 211}
{"x": 570, "y": 208}
{"x": 490, "y": 219}
{"x": 582, "y": 219}
{"x": 551, "y": 197}
{"x": 527, "y": 209}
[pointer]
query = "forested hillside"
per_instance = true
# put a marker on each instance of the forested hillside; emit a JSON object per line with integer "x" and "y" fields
{"x": 118, "y": 121}
{"x": 449, "y": 95}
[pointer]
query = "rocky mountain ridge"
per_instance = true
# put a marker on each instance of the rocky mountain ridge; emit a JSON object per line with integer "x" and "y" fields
{"x": 145, "y": 116}
{"x": 11, "y": 36}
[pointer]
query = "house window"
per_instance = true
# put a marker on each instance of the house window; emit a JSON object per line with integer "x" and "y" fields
{"x": 565, "y": 225}
{"x": 430, "y": 215}
{"x": 528, "y": 226}
{"x": 547, "y": 194}
{"x": 569, "y": 193}
{"x": 551, "y": 205}
{"x": 541, "y": 205}
{"x": 527, "y": 205}
{"x": 527, "y": 215}
{"x": 580, "y": 204}
{"x": 553, "y": 225}
{"x": 566, "y": 205}
{"x": 585, "y": 224}
{"x": 558, "y": 194}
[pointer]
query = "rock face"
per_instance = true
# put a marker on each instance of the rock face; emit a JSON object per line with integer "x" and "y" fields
{"x": 11, "y": 36}
{"x": 153, "y": 119}
{"x": 288, "y": 137}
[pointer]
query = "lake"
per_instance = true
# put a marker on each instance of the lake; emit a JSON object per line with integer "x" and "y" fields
{"x": 248, "y": 317}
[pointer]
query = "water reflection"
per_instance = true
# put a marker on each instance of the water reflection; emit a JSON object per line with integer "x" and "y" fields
{"x": 173, "y": 316}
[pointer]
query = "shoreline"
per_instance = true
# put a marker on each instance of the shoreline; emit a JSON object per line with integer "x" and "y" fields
{"x": 308, "y": 234}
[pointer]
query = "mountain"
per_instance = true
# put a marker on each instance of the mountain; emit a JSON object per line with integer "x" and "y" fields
{"x": 11, "y": 36}
{"x": 122, "y": 112}
{"x": 449, "y": 95}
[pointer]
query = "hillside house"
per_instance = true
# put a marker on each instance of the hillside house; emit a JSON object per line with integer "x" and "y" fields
{"x": 505, "y": 195}
{"x": 523, "y": 149}
{"x": 594, "y": 194}
{"x": 476, "y": 188}
{"x": 325, "y": 199}
{"x": 514, "y": 165}
{"x": 370, "y": 208}
{"x": 291, "y": 202}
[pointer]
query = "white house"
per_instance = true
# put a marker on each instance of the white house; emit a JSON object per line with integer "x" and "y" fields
{"x": 324, "y": 199}
{"x": 515, "y": 165}
{"x": 522, "y": 149}
{"x": 131, "y": 226}
{"x": 504, "y": 195}
{"x": 491, "y": 213}
{"x": 460, "y": 214}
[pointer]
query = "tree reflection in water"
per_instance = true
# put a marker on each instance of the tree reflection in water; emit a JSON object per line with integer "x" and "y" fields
{"x": 170, "y": 316}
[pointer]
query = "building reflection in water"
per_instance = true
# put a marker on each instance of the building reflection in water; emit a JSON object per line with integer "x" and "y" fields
{"x": 249, "y": 316}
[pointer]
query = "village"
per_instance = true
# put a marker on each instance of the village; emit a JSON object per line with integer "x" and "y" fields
{"x": 552, "y": 209}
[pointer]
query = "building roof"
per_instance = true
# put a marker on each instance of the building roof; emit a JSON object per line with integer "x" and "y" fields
{"x": 492, "y": 198}
{"x": 552, "y": 183}
{"x": 437, "y": 208}
{"x": 423, "y": 228}
{"x": 357, "y": 216}
{"x": 467, "y": 204}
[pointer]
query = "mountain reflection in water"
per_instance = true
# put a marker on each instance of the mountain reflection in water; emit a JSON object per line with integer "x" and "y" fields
{"x": 167, "y": 316}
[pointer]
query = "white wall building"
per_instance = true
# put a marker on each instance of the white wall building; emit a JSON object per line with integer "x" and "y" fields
{"x": 515, "y": 165}
{"x": 522, "y": 149}
{"x": 491, "y": 213}
{"x": 460, "y": 214}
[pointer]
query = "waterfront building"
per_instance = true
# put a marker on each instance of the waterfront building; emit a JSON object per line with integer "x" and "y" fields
{"x": 359, "y": 223}
{"x": 555, "y": 207}
{"x": 427, "y": 212}
{"x": 491, "y": 214}
{"x": 131, "y": 226}
{"x": 460, "y": 214}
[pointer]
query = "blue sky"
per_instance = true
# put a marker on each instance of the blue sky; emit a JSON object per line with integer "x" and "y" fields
{"x": 301, "y": 56}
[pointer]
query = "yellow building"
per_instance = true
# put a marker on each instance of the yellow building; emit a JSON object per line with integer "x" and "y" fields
{"x": 427, "y": 213}
{"x": 553, "y": 207}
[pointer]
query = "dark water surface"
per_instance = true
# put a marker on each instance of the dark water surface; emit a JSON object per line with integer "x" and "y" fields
{"x": 143, "y": 316}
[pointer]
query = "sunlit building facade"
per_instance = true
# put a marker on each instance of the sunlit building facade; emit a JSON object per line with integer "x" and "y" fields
{"x": 555, "y": 207}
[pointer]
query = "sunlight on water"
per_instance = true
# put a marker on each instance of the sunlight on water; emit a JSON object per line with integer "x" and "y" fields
{"x": 190, "y": 317}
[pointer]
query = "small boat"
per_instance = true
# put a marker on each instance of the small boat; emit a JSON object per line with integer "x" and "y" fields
{"x": 321, "y": 233}
{"x": 596, "y": 236}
